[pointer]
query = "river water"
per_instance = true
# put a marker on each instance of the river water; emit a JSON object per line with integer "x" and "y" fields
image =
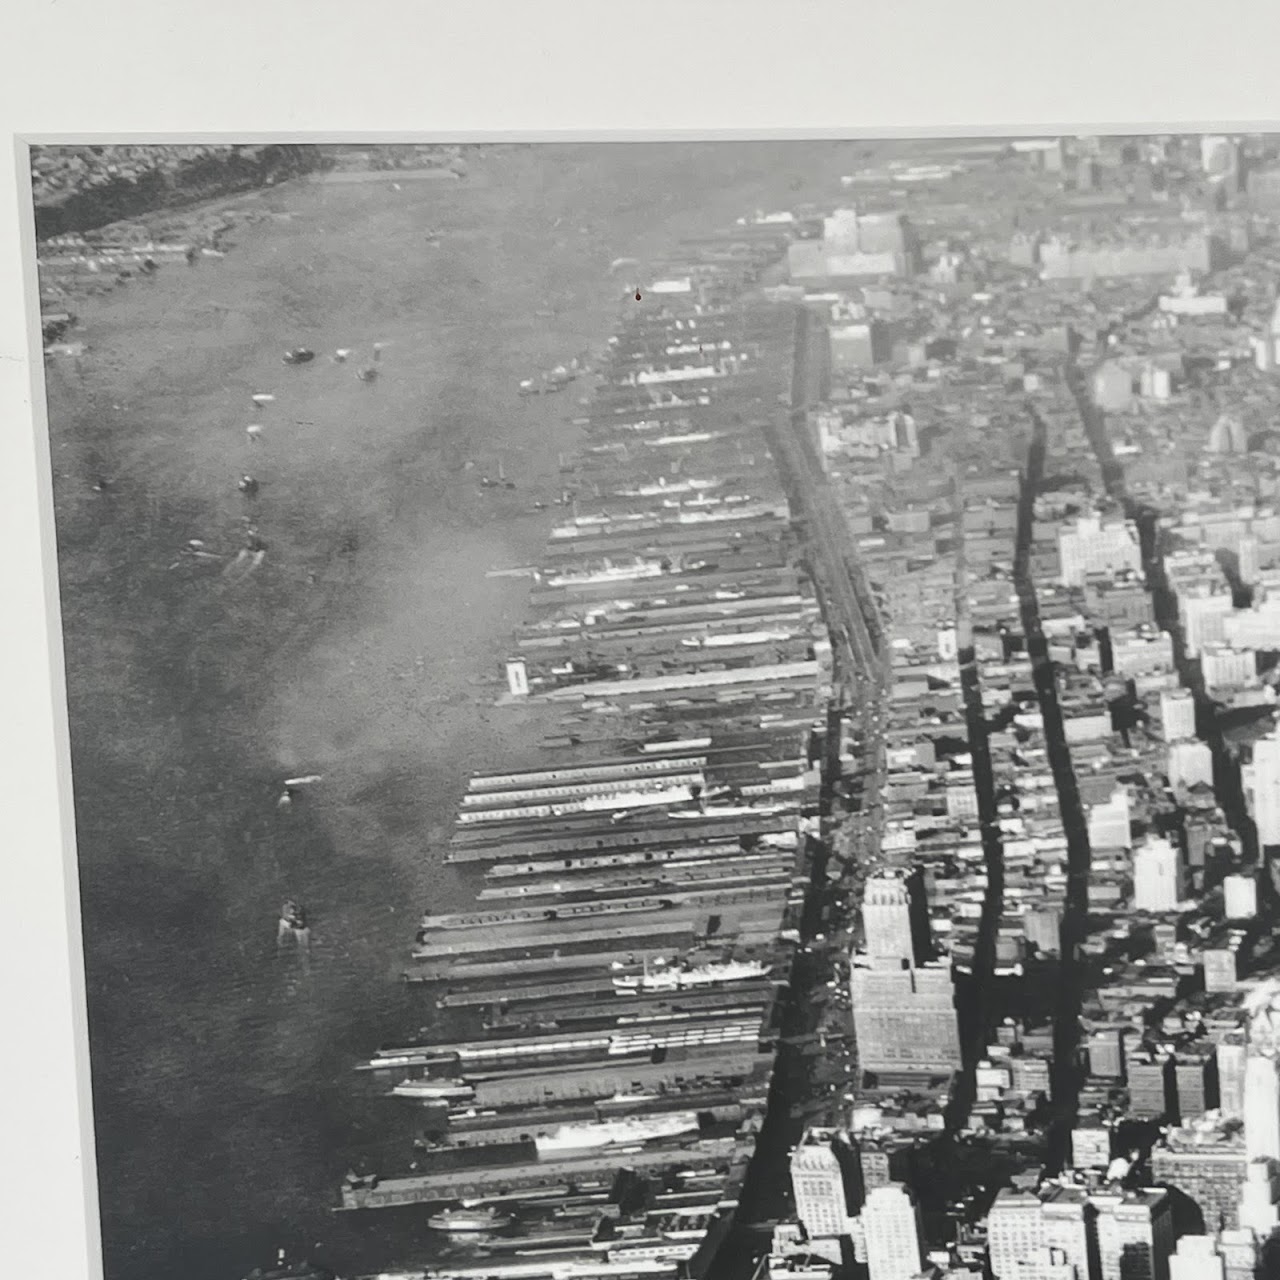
{"x": 225, "y": 1102}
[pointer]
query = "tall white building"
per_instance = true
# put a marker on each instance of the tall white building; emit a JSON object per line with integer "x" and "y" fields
{"x": 1203, "y": 619}
{"x": 1232, "y": 1059}
{"x": 1109, "y": 822}
{"x": 891, "y": 1224}
{"x": 1258, "y": 1198}
{"x": 818, "y": 1183}
{"x": 886, "y": 921}
{"x": 1228, "y": 668}
{"x": 1248, "y": 561}
{"x": 1014, "y": 1232}
{"x": 1255, "y": 628}
{"x": 1177, "y": 714}
{"x": 1261, "y": 1108}
{"x": 1262, "y": 783}
{"x": 1157, "y": 875}
{"x": 1095, "y": 546}
{"x": 1240, "y": 897}
{"x": 1197, "y": 1258}
{"x": 1135, "y": 1234}
{"x": 1066, "y": 1219}
{"x": 1189, "y": 763}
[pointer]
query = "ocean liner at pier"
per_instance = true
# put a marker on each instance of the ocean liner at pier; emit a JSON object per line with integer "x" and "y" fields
{"x": 609, "y": 1007}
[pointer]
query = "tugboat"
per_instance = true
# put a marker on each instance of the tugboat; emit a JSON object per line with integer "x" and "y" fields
{"x": 292, "y": 925}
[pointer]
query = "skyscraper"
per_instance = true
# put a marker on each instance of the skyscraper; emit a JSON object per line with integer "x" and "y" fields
{"x": 1258, "y": 1198}
{"x": 1135, "y": 1234}
{"x": 1014, "y": 1232}
{"x": 1177, "y": 714}
{"x": 1240, "y": 896}
{"x": 886, "y": 921}
{"x": 1262, "y": 780}
{"x": 1189, "y": 763}
{"x": 1066, "y": 1220}
{"x": 1261, "y": 1108}
{"x": 1206, "y": 1165}
{"x": 1231, "y": 1055}
{"x": 891, "y": 1224}
{"x": 817, "y": 1180}
{"x": 1095, "y": 546}
{"x": 1157, "y": 875}
{"x": 905, "y": 1019}
{"x": 1197, "y": 1258}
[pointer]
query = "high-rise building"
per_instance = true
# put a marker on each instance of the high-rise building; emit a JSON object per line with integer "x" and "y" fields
{"x": 1258, "y": 1195}
{"x": 1240, "y": 1254}
{"x": 1149, "y": 1088}
{"x": 1177, "y": 715}
{"x": 1262, "y": 1108}
{"x": 1093, "y": 545}
{"x": 891, "y": 1225}
{"x": 1256, "y": 627}
{"x": 817, "y": 1179}
{"x": 905, "y": 1019}
{"x": 1066, "y": 1223}
{"x": 873, "y": 1162}
{"x": 1262, "y": 782}
{"x": 1013, "y": 1232}
{"x": 1226, "y": 668}
{"x": 859, "y": 345}
{"x": 1157, "y": 875}
{"x": 1240, "y": 896}
{"x": 1110, "y": 822}
{"x": 1221, "y": 969}
{"x": 1090, "y": 1146}
{"x": 1232, "y": 1056}
{"x": 1190, "y": 763}
{"x": 1203, "y": 616}
{"x": 886, "y": 921}
{"x": 1194, "y": 1091}
{"x": 1248, "y": 564}
{"x": 1106, "y": 1054}
{"x": 1197, "y": 1258}
{"x": 1206, "y": 1165}
{"x": 1043, "y": 928}
{"x": 1135, "y": 1234}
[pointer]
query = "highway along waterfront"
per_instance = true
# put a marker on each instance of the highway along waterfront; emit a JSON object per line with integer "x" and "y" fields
{"x": 354, "y": 652}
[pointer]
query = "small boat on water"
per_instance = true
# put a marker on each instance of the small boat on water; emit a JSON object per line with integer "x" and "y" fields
{"x": 292, "y": 925}
{"x": 299, "y": 355}
{"x": 468, "y": 1222}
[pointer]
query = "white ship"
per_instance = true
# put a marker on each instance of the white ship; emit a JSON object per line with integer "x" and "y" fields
{"x": 680, "y": 979}
{"x": 433, "y": 1090}
{"x": 612, "y": 1133}
{"x": 608, "y": 572}
{"x": 726, "y": 638}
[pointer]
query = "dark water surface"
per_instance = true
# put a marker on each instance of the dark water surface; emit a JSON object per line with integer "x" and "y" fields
{"x": 226, "y": 1107}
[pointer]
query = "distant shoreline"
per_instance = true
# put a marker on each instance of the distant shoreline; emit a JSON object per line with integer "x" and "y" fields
{"x": 388, "y": 175}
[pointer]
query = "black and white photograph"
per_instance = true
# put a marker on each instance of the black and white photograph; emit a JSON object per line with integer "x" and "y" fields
{"x": 688, "y": 708}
